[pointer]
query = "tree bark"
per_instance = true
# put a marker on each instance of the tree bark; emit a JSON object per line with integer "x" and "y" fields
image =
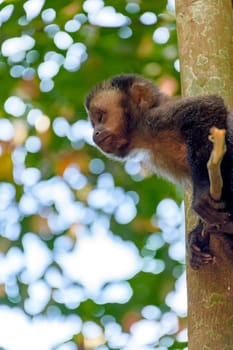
{"x": 204, "y": 29}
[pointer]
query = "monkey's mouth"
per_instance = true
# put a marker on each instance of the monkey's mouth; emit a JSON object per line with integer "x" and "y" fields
{"x": 112, "y": 145}
{"x": 104, "y": 141}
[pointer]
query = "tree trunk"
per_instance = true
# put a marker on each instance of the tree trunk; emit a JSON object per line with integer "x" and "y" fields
{"x": 204, "y": 29}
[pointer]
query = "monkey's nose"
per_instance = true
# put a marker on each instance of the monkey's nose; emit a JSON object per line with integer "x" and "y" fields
{"x": 97, "y": 135}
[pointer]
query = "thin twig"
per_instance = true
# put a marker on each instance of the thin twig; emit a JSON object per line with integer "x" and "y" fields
{"x": 217, "y": 136}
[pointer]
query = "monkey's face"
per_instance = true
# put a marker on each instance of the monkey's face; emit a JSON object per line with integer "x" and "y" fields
{"x": 108, "y": 119}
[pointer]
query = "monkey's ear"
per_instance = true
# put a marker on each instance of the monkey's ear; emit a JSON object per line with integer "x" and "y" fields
{"x": 141, "y": 93}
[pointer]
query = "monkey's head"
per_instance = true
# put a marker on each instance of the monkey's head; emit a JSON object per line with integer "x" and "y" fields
{"x": 115, "y": 108}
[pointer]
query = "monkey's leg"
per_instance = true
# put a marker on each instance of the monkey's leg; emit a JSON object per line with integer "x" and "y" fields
{"x": 207, "y": 208}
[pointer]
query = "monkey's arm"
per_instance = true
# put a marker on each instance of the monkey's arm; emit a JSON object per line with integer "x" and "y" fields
{"x": 191, "y": 119}
{"x": 197, "y": 118}
{"x": 217, "y": 137}
{"x": 198, "y": 239}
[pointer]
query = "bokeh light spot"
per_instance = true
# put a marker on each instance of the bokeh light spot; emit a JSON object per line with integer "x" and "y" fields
{"x": 48, "y": 15}
{"x": 72, "y": 26}
{"x": 48, "y": 69}
{"x": 33, "y": 144}
{"x": 15, "y": 106}
{"x": 132, "y": 7}
{"x": 148, "y": 18}
{"x": 6, "y": 130}
{"x": 13, "y": 46}
{"x": 161, "y": 35}
{"x": 63, "y": 40}
{"x": 42, "y": 124}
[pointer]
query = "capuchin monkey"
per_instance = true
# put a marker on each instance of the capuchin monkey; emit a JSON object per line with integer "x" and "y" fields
{"x": 129, "y": 114}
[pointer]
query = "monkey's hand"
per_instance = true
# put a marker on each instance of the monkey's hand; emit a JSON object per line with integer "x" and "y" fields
{"x": 198, "y": 247}
{"x": 210, "y": 210}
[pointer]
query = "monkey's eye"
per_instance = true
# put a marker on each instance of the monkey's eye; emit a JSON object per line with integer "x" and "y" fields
{"x": 101, "y": 115}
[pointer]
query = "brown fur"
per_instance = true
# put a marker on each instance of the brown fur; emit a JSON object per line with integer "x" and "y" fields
{"x": 172, "y": 165}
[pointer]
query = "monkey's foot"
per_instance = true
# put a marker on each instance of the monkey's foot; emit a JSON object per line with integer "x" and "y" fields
{"x": 198, "y": 247}
{"x": 211, "y": 211}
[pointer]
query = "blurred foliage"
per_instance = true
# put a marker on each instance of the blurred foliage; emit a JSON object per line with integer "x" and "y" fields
{"x": 47, "y": 177}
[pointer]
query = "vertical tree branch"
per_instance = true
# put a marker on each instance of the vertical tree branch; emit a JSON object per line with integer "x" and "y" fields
{"x": 204, "y": 29}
